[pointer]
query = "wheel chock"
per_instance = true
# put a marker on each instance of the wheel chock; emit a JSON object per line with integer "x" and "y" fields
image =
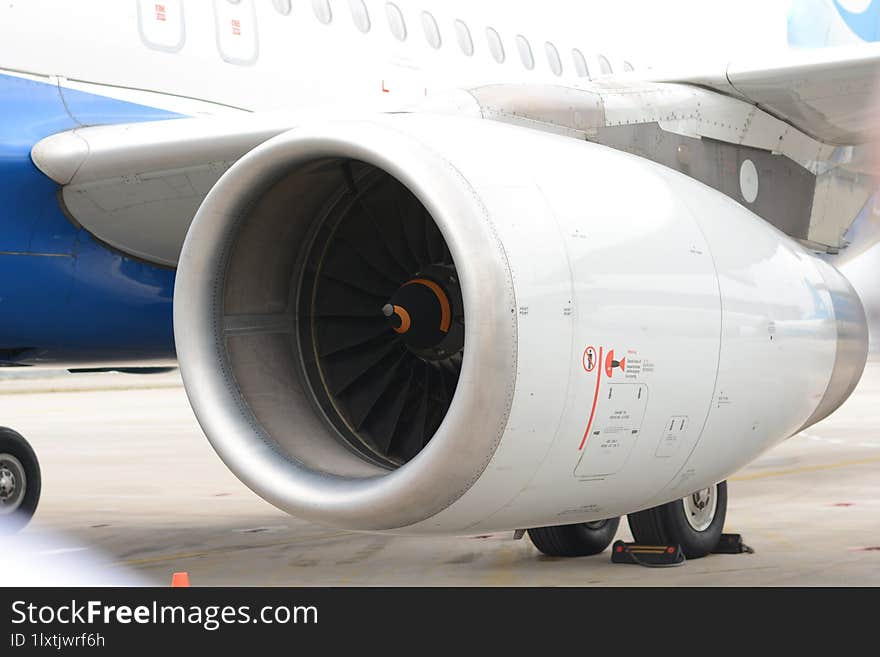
{"x": 647, "y": 555}
{"x": 732, "y": 544}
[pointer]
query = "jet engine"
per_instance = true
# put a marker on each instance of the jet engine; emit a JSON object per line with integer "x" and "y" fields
{"x": 425, "y": 324}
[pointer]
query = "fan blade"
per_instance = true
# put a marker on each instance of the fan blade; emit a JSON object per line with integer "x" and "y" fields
{"x": 410, "y": 213}
{"x": 345, "y": 367}
{"x": 387, "y": 221}
{"x": 411, "y": 435}
{"x": 382, "y": 422}
{"x": 446, "y": 259}
{"x": 337, "y": 333}
{"x": 335, "y": 299}
{"x": 344, "y": 262}
{"x": 361, "y": 233}
{"x": 434, "y": 240}
{"x": 361, "y": 397}
{"x": 438, "y": 403}
{"x": 371, "y": 252}
{"x": 376, "y": 288}
{"x": 365, "y": 230}
{"x": 450, "y": 370}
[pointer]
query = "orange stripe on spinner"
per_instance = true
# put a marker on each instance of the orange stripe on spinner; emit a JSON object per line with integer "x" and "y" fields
{"x": 445, "y": 310}
{"x": 405, "y": 321}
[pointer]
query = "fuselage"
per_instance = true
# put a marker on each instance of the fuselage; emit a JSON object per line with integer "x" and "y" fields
{"x": 69, "y": 299}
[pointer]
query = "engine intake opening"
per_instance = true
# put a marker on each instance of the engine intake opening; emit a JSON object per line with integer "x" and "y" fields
{"x": 317, "y": 398}
{"x": 380, "y": 318}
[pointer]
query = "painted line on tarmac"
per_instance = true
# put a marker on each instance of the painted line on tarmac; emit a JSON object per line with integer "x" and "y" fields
{"x": 806, "y": 468}
{"x": 97, "y": 388}
{"x": 238, "y": 548}
{"x": 838, "y": 441}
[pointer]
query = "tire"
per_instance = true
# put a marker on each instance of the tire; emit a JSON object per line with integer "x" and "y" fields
{"x": 580, "y": 540}
{"x": 668, "y": 524}
{"x": 17, "y": 458}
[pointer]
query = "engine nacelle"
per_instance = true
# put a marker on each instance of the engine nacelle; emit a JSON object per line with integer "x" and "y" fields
{"x": 439, "y": 324}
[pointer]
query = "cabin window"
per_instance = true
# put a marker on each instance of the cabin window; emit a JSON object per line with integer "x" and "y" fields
{"x": 322, "y": 11}
{"x": 236, "y": 28}
{"x": 495, "y": 45}
{"x": 580, "y": 63}
{"x": 463, "y": 34}
{"x": 432, "y": 32}
{"x": 161, "y": 24}
{"x": 360, "y": 15}
{"x": 525, "y": 52}
{"x": 282, "y": 6}
{"x": 553, "y": 58}
{"x": 395, "y": 21}
{"x": 605, "y": 65}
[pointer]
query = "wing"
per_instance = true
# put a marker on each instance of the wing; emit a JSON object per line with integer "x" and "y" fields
{"x": 829, "y": 94}
{"x": 790, "y": 141}
{"x": 137, "y": 186}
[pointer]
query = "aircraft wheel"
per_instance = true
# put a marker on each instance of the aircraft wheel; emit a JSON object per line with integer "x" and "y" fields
{"x": 19, "y": 481}
{"x": 578, "y": 540}
{"x": 694, "y": 522}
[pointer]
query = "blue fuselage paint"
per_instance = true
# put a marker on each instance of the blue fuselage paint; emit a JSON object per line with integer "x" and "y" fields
{"x": 821, "y": 23}
{"x": 864, "y": 24}
{"x": 65, "y": 298}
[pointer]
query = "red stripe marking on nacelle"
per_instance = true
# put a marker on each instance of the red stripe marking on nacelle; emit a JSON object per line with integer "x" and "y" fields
{"x": 595, "y": 399}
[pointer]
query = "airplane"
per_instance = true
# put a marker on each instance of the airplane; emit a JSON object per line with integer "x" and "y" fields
{"x": 425, "y": 267}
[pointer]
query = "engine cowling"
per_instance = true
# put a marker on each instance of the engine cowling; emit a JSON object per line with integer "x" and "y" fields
{"x": 440, "y": 324}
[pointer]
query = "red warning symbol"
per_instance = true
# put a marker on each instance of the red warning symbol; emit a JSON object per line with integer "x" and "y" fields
{"x": 589, "y": 359}
{"x": 611, "y": 364}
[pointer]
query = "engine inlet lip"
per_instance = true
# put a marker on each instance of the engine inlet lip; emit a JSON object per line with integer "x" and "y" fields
{"x": 468, "y": 437}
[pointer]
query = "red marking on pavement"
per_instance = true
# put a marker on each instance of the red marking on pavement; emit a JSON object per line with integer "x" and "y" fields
{"x": 595, "y": 399}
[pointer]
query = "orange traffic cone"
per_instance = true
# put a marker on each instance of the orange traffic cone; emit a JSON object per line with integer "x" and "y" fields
{"x": 180, "y": 580}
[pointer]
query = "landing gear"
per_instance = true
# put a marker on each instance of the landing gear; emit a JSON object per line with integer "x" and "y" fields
{"x": 19, "y": 481}
{"x": 694, "y": 522}
{"x": 577, "y": 540}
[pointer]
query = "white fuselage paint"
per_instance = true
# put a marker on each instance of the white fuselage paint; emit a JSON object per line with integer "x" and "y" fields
{"x": 248, "y": 55}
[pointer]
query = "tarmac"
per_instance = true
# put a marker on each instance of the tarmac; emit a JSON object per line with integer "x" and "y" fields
{"x": 132, "y": 487}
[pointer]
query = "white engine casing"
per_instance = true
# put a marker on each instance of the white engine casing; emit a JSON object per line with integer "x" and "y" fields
{"x": 722, "y": 336}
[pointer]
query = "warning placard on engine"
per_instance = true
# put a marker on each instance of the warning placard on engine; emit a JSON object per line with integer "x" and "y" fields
{"x": 615, "y": 430}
